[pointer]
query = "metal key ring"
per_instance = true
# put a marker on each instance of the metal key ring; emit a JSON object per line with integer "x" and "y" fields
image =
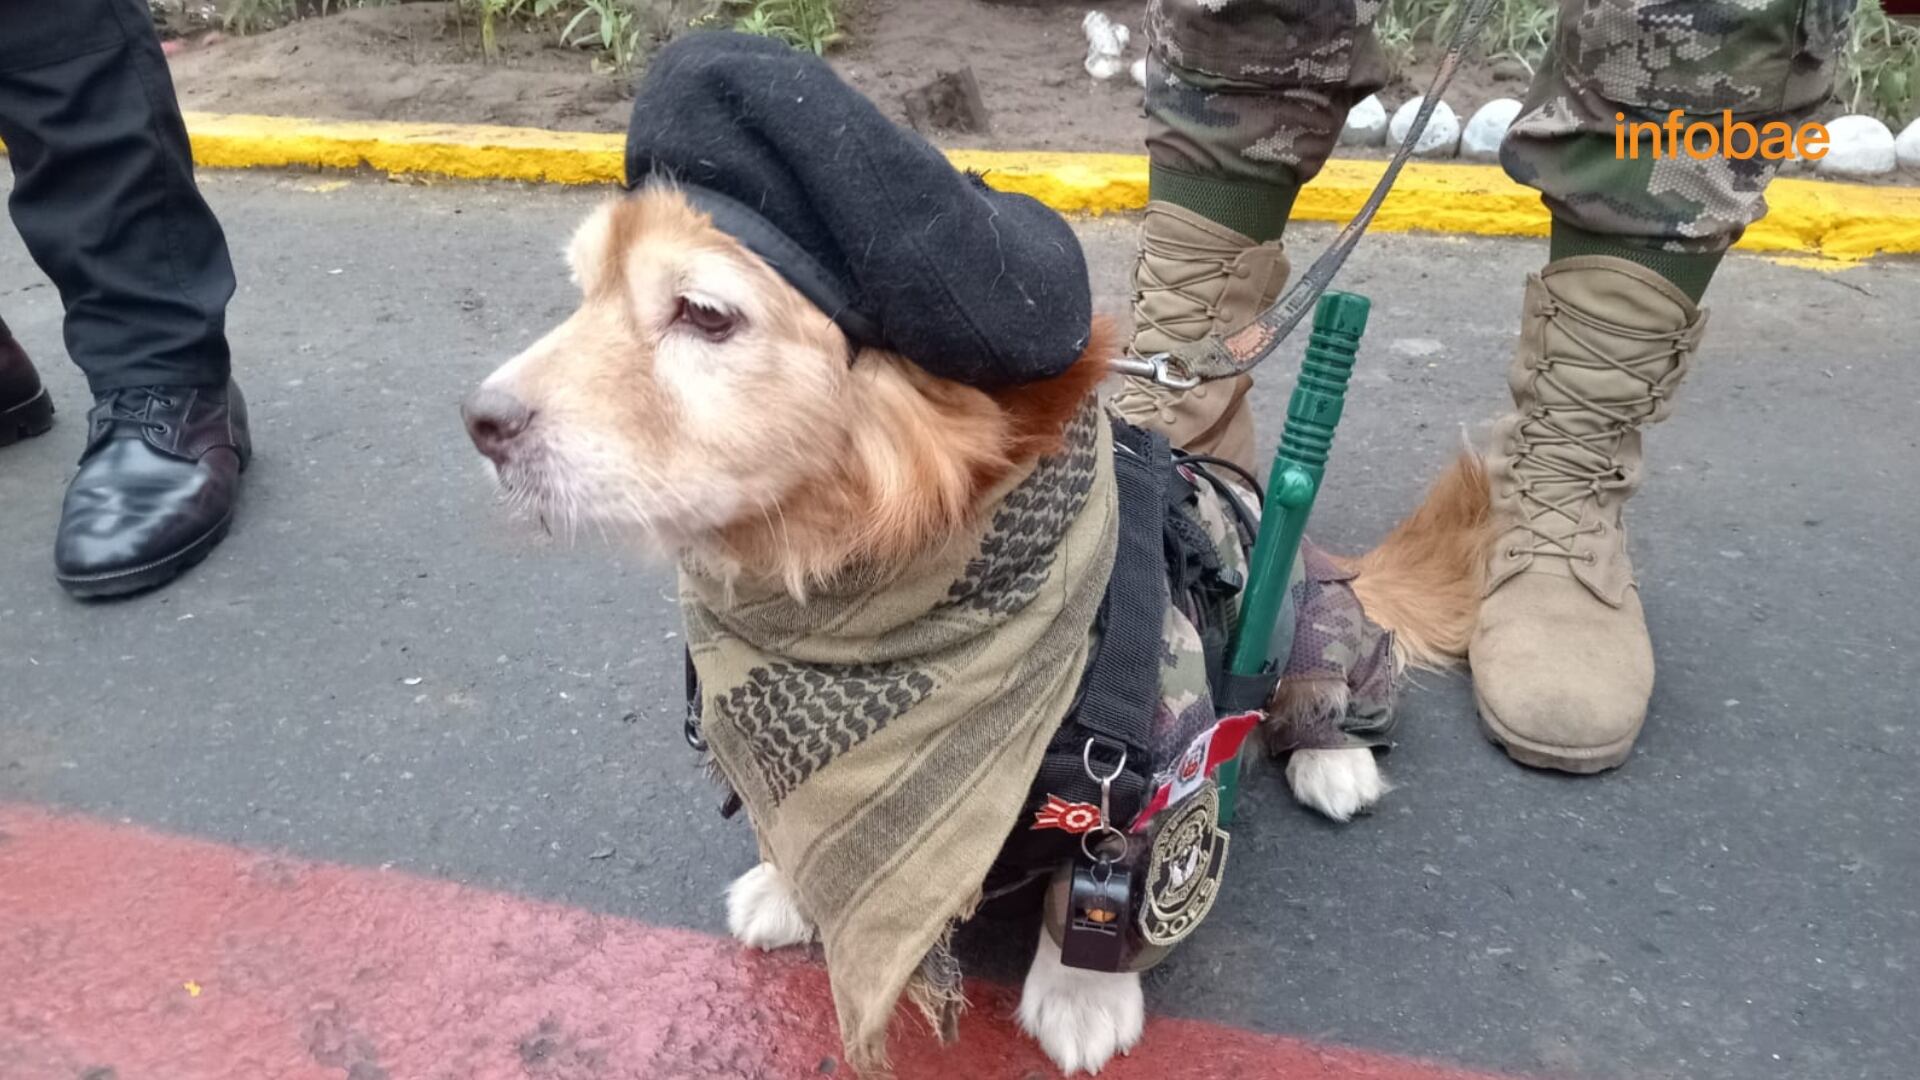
{"x": 1125, "y": 844}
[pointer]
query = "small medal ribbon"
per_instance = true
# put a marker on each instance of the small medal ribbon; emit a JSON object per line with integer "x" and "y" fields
{"x": 1072, "y": 817}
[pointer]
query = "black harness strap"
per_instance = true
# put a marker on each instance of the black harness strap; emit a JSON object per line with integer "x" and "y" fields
{"x": 1124, "y": 680}
{"x": 1202, "y": 465}
{"x": 1121, "y": 683}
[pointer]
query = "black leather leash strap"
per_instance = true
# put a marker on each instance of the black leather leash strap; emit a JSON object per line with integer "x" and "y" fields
{"x": 1214, "y": 357}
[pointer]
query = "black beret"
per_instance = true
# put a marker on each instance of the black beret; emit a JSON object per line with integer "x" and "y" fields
{"x": 865, "y": 218}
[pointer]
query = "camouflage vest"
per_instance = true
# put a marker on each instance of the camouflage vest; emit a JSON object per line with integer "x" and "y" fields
{"x": 1211, "y": 519}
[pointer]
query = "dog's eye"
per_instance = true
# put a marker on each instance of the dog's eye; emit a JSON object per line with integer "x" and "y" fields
{"x": 717, "y": 323}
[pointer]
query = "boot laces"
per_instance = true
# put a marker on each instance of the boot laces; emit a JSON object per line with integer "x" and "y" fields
{"x": 1199, "y": 274}
{"x": 1198, "y": 291}
{"x": 134, "y": 407}
{"x": 1562, "y": 470}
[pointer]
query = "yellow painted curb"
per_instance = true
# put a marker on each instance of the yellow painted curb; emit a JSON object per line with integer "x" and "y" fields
{"x": 1845, "y": 222}
{"x": 468, "y": 151}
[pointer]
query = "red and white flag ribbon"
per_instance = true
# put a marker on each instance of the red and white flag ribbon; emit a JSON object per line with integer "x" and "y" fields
{"x": 1203, "y": 755}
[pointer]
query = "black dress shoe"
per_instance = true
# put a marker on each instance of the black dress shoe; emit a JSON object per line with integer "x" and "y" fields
{"x": 156, "y": 487}
{"x": 26, "y": 409}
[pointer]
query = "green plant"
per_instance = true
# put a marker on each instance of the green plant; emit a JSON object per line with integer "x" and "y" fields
{"x": 1880, "y": 69}
{"x": 615, "y": 29}
{"x": 253, "y": 16}
{"x": 812, "y": 25}
{"x": 1395, "y": 36}
{"x": 1519, "y": 30}
{"x": 618, "y": 33}
{"x": 491, "y": 14}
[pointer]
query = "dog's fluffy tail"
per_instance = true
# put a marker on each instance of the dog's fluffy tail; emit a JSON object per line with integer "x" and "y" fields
{"x": 1424, "y": 581}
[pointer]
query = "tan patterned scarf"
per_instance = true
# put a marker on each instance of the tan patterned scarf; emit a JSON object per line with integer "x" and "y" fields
{"x": 883, "y": 736}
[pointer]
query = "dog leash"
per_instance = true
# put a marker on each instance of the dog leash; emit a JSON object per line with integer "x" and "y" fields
{"x": 1214, "y": 357}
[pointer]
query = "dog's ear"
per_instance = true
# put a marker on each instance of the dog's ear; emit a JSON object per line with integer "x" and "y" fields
{"x": 591, "y": 250}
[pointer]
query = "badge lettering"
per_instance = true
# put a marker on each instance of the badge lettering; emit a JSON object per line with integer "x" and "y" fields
{"x": 1184, "y": 868}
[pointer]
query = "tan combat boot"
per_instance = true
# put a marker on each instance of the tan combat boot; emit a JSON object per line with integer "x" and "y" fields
{"x": 1195, "y": 277}
{"x": 1562, "y": 665}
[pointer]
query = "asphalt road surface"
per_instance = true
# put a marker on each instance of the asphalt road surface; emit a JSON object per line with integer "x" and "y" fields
{"x": 380, "y": 670}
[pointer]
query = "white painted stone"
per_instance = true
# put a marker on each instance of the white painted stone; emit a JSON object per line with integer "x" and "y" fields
{"x": 1366, "y": 124}
{"x": 1859, "y": 147}
{"x": 1139, "y": 70}
{"x": 1481, "y": 139}
{"x": 1440, "y": 139}
{"x": 1106, "y": 41}
{"x": 1906, "y": 148}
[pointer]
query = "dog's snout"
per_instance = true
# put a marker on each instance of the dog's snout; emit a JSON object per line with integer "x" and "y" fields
{"x": 494, "y": 418}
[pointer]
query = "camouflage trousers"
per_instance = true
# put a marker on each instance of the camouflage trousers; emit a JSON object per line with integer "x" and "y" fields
{"x": 1257, "y": 90}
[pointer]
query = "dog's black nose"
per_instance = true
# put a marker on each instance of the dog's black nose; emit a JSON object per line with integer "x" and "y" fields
{"x": 494, "y": 418}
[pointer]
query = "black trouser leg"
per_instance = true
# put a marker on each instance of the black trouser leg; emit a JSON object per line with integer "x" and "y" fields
{"x": 104, "y": 196}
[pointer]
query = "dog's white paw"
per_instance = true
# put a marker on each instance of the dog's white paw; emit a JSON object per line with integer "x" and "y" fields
{"x": 1080, "y": 1018}
{"x": 1338, "y": 783}
{"x": 761, "y": 910}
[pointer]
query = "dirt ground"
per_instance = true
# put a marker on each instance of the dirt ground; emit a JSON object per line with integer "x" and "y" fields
{"x": 406, "y": 62}
{"x": 414, "y": 62}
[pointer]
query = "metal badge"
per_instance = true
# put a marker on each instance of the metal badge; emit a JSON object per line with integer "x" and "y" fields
{"x": 1184, "y": 867}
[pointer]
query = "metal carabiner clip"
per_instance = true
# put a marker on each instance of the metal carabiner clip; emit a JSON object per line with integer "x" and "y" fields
{"x": 1106, "y": 825}
{"x": 1158, "y": 367}
{"x": 1086, "y": 762}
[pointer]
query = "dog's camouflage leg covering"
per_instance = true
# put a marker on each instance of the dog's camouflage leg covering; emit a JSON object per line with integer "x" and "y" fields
{"x": 1337, "y": 688}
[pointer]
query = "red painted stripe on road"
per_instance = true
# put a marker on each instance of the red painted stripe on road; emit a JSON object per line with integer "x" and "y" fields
{"x": 163, "y": 957}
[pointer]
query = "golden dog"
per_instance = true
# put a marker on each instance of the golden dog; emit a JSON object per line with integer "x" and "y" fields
{"x": 698, "y": 403}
